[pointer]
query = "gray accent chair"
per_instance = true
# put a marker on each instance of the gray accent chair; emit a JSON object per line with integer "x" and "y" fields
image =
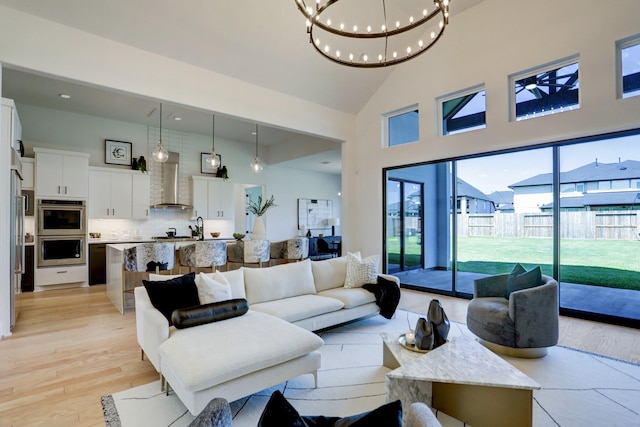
{"x": 217, "y": 413}
{"x": 524, "y": 325}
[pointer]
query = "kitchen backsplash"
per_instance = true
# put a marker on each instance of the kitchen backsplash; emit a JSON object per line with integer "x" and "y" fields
{"x": 157, "y": 225}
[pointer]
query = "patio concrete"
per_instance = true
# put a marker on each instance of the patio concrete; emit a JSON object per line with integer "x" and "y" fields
{"x": 621, "y": 306}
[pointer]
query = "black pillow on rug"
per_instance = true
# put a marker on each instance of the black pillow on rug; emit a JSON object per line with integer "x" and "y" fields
{"x": 280, "y": 413}
{"x": 168, "y": 295}
{"x": 208, "y": 313}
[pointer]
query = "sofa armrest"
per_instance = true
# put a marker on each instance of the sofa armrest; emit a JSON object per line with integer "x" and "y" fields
{"x": 391, "y": 278}
{"x": 491, "y": 286}
{"x": 152, "y": 327}
{"x": 535, "y": 313}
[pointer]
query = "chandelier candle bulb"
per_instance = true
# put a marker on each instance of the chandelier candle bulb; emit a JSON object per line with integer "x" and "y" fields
{"x": 408, "y": 30}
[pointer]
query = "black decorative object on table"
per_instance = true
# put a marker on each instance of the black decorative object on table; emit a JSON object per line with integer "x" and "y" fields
{"x": 433, "y": 331}
{"x": 142, "y": 164}
{"x": 439, "y": 322}
{"x": 424, "y": 334}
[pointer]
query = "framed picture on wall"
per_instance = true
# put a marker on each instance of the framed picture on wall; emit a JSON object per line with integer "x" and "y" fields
{"x": 205, "y": 167}
{"x": 117, "y": 152}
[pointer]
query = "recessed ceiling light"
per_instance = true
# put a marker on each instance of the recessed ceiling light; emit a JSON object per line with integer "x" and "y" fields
{"x": 177, "y": 118}
{"x": 64, "y": 96}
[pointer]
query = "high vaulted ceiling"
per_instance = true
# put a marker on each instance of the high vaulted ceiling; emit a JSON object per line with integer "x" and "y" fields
{"x": 261, "y": 42}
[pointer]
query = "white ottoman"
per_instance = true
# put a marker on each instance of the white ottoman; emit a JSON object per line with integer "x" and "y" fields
{"x": 236, "y": 357}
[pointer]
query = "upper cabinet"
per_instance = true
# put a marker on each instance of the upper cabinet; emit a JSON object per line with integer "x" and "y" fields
{"x": 141, "y": 195}
{"x": 28, "y": 166}
{"x": 212, "y": 198}
{"x": 118, "y": 194}
{"x": 61, "y": 174}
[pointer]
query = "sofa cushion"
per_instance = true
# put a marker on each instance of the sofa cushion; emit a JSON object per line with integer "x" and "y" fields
{"x": 520, "y": 279}
{"x": 278, "y": 282}
{"x": 299, "y": 307}
{"x": 212, "y": 287}
{"x": 224, "y": 351}
{"x": 330, "y": 273}
{"x": 236, "y": 281}
{"x": 361, "y": 271}
{"x": 208, "y": 313}
{"x": 168, "y": 295}
{"x": 280, "y": 413}
{"x": 350, "y": 297}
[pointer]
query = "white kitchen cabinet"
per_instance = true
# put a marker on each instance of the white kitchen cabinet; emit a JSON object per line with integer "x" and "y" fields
{"x": 61, "y": 174}
{"x": 141, "y": 195}
{"x": 110, "y": 194}
{"x": 27, "y": 173}
{"x": 212, "y": 198}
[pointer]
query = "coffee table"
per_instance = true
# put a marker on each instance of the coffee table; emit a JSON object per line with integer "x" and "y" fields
{"x": 461, "y": 378}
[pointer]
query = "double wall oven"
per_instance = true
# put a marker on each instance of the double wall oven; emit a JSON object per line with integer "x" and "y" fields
{"x": 62, "y": 232}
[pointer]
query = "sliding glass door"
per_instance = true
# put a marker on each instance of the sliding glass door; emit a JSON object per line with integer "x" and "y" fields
{"x": 404, "y": 225}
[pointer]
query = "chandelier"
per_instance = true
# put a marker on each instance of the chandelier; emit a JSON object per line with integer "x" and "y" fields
{"x": 374, "y": 37}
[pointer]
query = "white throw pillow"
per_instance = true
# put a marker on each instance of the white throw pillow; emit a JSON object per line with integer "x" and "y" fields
{"x": 212, "y": 288}
{"x": 361, "y": 271}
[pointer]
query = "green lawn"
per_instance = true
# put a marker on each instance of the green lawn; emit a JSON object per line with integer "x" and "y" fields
{"x": 611, "y": 263}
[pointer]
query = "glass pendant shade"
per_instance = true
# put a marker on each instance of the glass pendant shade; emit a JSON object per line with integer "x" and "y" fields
{"x": 213, "y": 160}
{"x": 160, "y": 154}
{"x": 257, "y": 166}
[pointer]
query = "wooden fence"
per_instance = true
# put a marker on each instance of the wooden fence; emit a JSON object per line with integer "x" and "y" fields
{"x": 603, "y": 225}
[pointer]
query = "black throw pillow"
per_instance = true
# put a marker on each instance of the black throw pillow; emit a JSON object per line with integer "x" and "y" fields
{"x": 168, "y": 295}
{"x": 280, "y": 413}
{"x": 207, "y": 313}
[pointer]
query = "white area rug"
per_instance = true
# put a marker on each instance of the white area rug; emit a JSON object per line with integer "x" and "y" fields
{"x": 578, "y": 388}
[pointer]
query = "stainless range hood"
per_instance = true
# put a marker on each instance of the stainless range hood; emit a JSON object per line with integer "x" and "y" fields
{"x": 170, "y": 184}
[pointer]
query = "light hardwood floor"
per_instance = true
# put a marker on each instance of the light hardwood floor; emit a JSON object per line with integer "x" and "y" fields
{"x": 70, "y": 347}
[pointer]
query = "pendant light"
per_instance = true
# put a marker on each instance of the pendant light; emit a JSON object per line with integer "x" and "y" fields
{"x": 160, "y": 154}
{"x": 213, "y": 161}
{"x": 256, "y": 166}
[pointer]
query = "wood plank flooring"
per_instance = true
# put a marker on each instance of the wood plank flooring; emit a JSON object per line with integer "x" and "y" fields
{"x": 70, "y": 347}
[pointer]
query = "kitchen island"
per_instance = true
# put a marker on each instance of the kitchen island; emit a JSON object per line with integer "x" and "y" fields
{"x": 120, "y": 283}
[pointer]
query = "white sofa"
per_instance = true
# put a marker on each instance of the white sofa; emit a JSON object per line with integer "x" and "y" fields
{"x": 269, "y": 344}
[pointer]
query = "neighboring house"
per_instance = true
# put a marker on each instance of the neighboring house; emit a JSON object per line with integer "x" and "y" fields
{"x": 503, "y": 201}
{"x": 595, "y": 186}
{"x": 470, "y": 200}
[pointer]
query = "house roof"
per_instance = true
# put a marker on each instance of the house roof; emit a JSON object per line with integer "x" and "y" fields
{"x": 609, "y": 198}
{"x": 467, "y": 190}
{"x": 588, "y": 173}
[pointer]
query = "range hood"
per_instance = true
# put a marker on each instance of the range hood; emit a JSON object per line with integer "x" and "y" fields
{"x": 170, "y": 184}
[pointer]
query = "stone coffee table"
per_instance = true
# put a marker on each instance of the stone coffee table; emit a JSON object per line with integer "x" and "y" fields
{"x": 461, "y": 378}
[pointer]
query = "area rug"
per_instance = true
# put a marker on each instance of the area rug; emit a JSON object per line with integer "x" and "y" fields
{"x": 578, "y": 388}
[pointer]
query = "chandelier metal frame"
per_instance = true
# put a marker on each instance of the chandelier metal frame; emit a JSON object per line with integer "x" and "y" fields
{"x": 315, "y": 21}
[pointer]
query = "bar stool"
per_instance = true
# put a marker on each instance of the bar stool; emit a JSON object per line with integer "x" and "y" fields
{"x": 142, "y": 259}
{"x": 207, "y": 255}
{"x": 295, "y": 249}
{"x": 249, "y": 252}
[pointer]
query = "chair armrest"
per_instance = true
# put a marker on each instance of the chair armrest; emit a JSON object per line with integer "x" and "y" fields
{"x": 491, "y": 286}
{"x": 420, "y": 415}
{"x": 535, "y": 313}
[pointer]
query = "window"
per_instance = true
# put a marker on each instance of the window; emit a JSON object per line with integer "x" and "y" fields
{"x": 628, "y": 54}
{"x": 545, "y": 91}
{"x": 567, "y": 188}
{"x": 402, "y": 127}
{"x": 464, "y": 111}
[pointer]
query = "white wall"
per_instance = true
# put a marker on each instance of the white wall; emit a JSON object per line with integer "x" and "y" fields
{"x": 486, "y": 44}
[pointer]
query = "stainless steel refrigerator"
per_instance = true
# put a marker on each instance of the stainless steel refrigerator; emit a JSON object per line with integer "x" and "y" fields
{"x": 16, "y": 233}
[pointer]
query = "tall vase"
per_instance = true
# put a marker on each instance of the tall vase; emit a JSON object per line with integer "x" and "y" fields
{"x": 259, "y": 231}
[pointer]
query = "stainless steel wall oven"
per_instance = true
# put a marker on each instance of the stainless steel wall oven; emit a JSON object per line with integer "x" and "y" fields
{"x": 62, "y": 232}
{"x": 61, "y": 250}
{"x": 62, "y": 217}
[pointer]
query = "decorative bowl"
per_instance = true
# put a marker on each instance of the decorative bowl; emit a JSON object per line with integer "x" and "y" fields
{"x": 215, "y": 234}
{"x": 238, "y": 236}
